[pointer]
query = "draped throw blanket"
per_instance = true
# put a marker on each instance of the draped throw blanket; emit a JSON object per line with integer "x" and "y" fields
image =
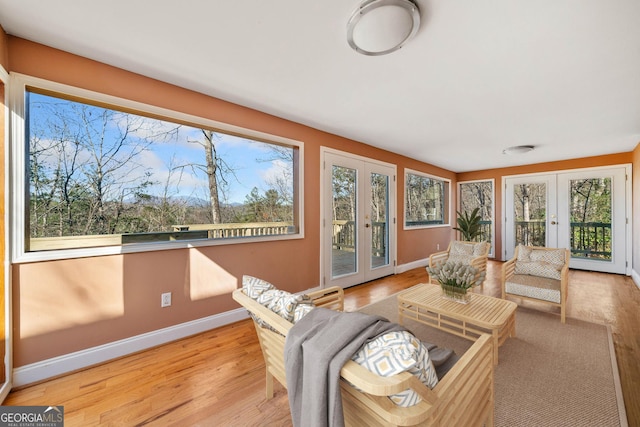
{"x": 316, "y": 349}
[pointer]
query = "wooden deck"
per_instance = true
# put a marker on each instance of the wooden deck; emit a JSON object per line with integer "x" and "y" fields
{"x": 217, "y": 377}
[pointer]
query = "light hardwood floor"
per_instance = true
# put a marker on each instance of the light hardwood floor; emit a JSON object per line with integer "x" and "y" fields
{"x": 217, "y": 377}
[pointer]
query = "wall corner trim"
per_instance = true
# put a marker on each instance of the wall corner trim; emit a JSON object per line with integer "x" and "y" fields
{"x": 79, "y": 360}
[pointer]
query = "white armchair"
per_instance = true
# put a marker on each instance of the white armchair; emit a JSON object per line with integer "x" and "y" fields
{"x": 538, "y": 274}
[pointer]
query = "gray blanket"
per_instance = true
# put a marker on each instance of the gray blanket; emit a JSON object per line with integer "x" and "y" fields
{"x": 316, "y": 349}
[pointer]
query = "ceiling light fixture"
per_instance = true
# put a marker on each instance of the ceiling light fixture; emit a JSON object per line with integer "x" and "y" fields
{"x": 378, "y": 27}
{"x": 518, "y": 149}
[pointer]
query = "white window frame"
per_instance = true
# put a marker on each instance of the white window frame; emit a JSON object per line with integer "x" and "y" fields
{"x": 448, "y": 201}
{"x": 18, "y": 84}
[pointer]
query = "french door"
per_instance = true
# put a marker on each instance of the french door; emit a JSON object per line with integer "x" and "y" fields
{"x": 358, "y": 219}
{"x": 583, "y": 210}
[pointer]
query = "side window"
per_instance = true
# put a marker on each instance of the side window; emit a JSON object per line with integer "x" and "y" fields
{"x": 427, "y": 200}
{"x": 99, "y": 175}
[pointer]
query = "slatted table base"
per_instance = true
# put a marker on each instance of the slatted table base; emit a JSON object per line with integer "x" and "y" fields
{"x": 483, "y": 314}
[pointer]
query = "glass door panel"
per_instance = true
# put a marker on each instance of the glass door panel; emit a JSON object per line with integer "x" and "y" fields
{"x": 344, "y": 229}
{"x": 530, "y": 214}
{"x": 590, "y": 218}
{"x": 594, "y": 227}
{"x": 379, "y": 220}
{"x": 531, "y": 217}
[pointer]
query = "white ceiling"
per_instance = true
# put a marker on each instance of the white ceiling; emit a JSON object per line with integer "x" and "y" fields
{"x": 480, "y": 76}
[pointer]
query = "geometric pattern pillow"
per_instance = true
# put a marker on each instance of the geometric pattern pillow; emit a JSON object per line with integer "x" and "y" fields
{"x": 253, "y": 287}
{"x": 535, "y": 262}
{"x": 538, "y": 268}
{"x": 524, "y": 253}
{"x": 552, "y": 257}
{"x": 284, "y": 303}
{"x": 395, "y": 352}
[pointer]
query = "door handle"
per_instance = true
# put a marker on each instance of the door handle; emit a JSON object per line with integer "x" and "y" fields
{"x": 553, "y": 223}
{"x": 367, "y": 225}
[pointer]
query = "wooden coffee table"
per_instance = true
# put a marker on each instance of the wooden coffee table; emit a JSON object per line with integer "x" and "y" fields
{"x": 483, "y": 314}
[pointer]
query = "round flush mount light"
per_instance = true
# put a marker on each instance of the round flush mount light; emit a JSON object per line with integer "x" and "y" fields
{"x": 518, "y": 149}
{"x": 378, "y": 27}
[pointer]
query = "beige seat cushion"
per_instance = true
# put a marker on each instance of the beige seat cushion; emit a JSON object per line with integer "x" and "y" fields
{"x": 541, "y": 288}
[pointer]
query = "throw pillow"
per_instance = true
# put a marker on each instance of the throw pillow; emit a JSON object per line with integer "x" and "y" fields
{"x": 253, "y": 287}
{"x": 460, "y": 248}
{"x": 285, "y": 304}
{"x": 479, "y": 248}
{"x": 524, "y": 253}
{"x": 396, "y": 352}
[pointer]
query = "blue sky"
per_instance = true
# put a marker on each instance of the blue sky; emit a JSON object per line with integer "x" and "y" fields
{"x": 167, "y": 148}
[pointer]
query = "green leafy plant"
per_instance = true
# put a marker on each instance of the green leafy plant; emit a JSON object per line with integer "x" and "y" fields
{"x": 469, "y": 224}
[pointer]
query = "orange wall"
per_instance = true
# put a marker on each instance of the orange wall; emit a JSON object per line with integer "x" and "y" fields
{"x": 4, "y": 51}
{"x": 70, "y": 305}
{"x": 498, "y": 174}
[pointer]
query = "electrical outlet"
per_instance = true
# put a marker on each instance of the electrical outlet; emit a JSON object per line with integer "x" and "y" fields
{"x": 437, "y": 246}
{"x": 165, "y": 300}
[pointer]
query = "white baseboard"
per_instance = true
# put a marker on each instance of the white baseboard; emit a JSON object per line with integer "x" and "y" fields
{"x": 85, "y": 358}
{"x": 413, "y": 264}
{"x": 636, "y": 277}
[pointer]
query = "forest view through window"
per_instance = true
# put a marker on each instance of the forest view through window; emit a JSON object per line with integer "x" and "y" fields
{"x": 426, "y": 200}
{"x": 99, "y": 177}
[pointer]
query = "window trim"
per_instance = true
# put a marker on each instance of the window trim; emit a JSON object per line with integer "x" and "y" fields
{"x": 408, "y": 171}
{"x": 18, "y": 84}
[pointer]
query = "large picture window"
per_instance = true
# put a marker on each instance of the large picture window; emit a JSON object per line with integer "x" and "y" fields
{"x": 426, "y": 200}
{"x": 100, "y": 174}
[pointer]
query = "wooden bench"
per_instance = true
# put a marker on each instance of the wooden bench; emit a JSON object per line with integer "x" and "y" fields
{"x": 464, "y": 397}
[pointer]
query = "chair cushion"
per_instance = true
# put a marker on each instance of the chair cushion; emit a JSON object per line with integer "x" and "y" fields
{"x": 396, "y": 352}
{"x": 541, "y": 288}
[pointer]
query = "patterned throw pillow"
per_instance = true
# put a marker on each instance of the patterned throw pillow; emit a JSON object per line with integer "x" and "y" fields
{"x": 524, "y": 253}
{"x": 459, "y": 248}
{"x": 479, "y": 248}
{"x": 285, "y": 304}
{"x": 396, "y": 352}
{"x": 253, "y": 287}
{"x": 541, "y": 263}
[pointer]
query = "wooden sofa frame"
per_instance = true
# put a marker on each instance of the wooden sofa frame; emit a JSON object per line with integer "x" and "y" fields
{"x": 463, "y": 397}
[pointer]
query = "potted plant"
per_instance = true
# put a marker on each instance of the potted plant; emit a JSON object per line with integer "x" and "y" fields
{"x": 469, "y": 224}
{"x": 456, "y": 279}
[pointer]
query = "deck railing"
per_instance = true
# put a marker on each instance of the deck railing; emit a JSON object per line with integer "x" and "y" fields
{"x": 180, "y": 232}
{"x": 344, "y": 235}
{"x": 587, "y": 239}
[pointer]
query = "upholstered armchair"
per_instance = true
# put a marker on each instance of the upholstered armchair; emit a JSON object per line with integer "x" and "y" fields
{"x": 471, "y": 253}
{"x": 538, "y": 274}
